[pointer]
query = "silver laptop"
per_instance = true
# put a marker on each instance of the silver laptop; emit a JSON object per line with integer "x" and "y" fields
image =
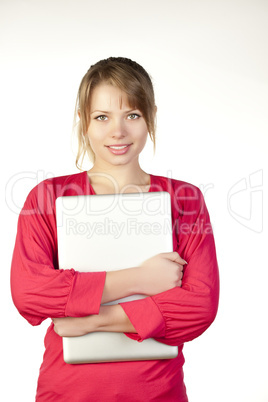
{"x": 110, "y": 232}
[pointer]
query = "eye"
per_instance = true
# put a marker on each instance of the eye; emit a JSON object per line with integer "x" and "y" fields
{"x": 101, "y": 118}
{"x": 133, "y": 116}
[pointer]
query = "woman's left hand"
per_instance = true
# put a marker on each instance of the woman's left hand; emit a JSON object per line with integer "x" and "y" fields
{"x": 71, "y": 326}
{"x": 110, "y": 319}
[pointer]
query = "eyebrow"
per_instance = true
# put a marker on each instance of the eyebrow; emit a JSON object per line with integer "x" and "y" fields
{"x": 100, "y": 111}
{"x": 103, "y": 111}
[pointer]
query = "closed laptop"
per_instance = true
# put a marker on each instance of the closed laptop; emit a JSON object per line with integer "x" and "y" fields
{"x": 110, "y": 232}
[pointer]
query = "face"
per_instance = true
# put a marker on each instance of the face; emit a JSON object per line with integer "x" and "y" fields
{"x": 116, "y": 132}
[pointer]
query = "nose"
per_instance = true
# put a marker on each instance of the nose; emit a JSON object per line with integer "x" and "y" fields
{"x": 118, "y": 129}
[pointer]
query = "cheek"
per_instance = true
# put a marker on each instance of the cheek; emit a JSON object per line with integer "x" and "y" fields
{"x": 143, "y": 135}
{"x": 92, "y": 135}
{"x": 92, "y": 141}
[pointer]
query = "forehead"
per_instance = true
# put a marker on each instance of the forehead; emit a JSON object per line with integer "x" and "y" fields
{"x": 108, "y": 97}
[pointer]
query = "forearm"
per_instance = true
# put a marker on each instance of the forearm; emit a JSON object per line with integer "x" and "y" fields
{"x": 155, "y": 275}
{"x": 110, "y": 319}
{"x": 122, "y": 283}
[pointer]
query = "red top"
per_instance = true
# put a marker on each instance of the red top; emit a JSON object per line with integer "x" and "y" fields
{"x": 40, "y": 290}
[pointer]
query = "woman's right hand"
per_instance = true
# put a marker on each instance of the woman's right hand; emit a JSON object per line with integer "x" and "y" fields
{"x": 157, "y": 274}
{"x": 162, "y": 272}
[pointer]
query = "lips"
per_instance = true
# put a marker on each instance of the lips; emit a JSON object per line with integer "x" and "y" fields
{"x": 118, "y": 146}
{"x": 118, "y": 149}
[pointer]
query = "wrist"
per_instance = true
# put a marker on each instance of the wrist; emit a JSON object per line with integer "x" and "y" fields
{"x": 136, "y": 281}
{"x": 139, "y": 281}
{"x": 121, "y": 283}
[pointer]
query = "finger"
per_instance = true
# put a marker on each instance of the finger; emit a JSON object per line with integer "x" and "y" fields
{"x": 181, "y": 267}
{"x": 179, "y": 284}
{"x": 175, "y": 257}
{"x": 180, "y": 273}
{"x": 179, "y": 259}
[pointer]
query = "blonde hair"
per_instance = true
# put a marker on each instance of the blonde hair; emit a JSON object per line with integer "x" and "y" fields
{"x": 128, "y": 76}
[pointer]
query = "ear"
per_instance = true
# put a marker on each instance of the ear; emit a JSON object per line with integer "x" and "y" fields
{"x": 79, "y": 114}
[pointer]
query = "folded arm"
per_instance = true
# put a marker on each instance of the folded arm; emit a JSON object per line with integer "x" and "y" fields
{"x": 110, "y": 319}
{"x": 40, "y": 291}
{"x": 181, "y": 313}
{"x": 163, "y": 271}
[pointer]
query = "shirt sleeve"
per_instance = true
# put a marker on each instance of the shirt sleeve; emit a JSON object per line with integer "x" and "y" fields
{"x": 38, "y": 289}
{"x": 183, "y": 313}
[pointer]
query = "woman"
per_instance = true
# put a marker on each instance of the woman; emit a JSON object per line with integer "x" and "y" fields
{"x": 116, "y": 110}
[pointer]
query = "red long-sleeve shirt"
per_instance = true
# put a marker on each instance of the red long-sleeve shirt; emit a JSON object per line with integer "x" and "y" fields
{"x": 40, "y": 290}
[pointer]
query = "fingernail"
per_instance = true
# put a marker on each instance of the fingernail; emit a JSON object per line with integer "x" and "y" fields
{"x": 185, "y": 262}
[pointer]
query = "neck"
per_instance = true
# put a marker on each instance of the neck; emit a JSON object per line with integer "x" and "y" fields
{"x": 118, "y": 176}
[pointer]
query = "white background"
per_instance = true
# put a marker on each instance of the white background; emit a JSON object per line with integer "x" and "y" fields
{"x": 209, "y": 64}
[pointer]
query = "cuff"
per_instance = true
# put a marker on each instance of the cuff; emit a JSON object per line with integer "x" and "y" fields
{"x": 86, "y": 293}
{"x": 146, "y": 319}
